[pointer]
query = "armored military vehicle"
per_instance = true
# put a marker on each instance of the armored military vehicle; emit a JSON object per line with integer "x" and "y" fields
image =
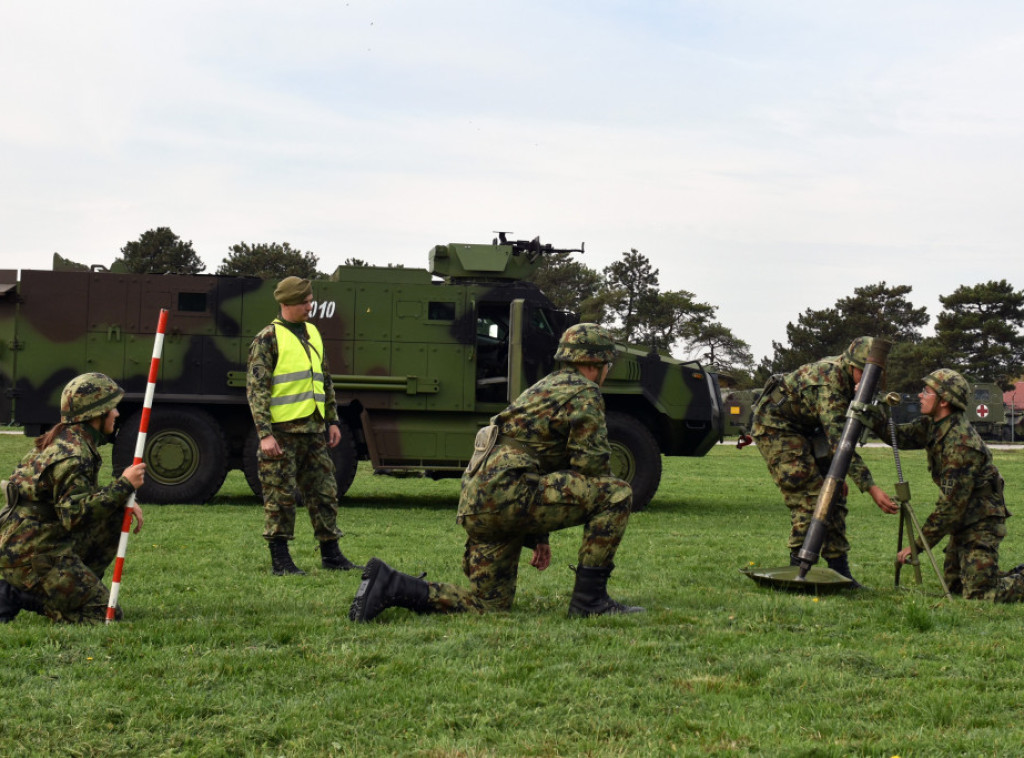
{"x": 738, "y": 410}
{"x": 420, "y": 361}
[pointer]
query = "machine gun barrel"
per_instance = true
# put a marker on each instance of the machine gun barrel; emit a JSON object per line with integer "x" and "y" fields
{"x": 873, "y": 370}
{"x": 533, "y": 247}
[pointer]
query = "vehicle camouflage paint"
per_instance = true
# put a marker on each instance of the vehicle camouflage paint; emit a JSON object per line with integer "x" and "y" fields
{"x": 421, "y": 359}
{"x": 738, "y": 410}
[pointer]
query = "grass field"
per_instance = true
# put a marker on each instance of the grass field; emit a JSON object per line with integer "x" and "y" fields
{"x": 218, "y": 657}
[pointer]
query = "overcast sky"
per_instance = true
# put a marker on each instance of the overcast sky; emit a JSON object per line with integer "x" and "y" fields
{"x": 766, "y": 156}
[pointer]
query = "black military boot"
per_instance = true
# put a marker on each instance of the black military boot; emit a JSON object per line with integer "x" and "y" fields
{"x": 10, "y": 602}
{"x": 281, "y": 559}
{"x": 383, "y": 587}
{"x": 841, "y": 566}
{"x": 333, "y": 559}
{"x": 13, "y": 600}
{"x": 590, "y": 595}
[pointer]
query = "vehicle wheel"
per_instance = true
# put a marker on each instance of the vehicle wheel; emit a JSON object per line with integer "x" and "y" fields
{"x": 186, "y": 455}
{"x": 636, "y": 456}
{"x": 344, "y": 457}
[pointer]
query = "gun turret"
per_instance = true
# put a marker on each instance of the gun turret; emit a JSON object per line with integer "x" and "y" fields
{"x": 503, "y": 259}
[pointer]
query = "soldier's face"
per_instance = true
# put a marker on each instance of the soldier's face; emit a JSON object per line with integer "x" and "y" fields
{"x": 929, "y": 401}
{"x": 299, "y": 312}
{"x": 109, "y": 420}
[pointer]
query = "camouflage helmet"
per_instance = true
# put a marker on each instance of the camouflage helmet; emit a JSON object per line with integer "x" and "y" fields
{"x": 586, "y": 343}
{"x": 857, "y": 352}
{"x": 949, "y": 386}
{"x": 88, "y": 396}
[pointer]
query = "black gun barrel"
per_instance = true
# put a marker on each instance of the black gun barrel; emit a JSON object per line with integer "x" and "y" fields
{"x": 534, "y": 247}
{"x": 873, "y": 370}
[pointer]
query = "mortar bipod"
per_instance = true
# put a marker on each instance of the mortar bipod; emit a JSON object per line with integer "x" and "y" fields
{"x": 908, "y": 519}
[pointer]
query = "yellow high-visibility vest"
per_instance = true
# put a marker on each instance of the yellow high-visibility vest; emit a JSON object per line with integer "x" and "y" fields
{"x": 298, "y": 385}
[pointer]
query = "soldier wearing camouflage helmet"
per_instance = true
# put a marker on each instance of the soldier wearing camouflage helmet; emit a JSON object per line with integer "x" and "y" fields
{"x": 59, "y": 529}
{"x": 542, "y": 465}
{"x": 291, "y": 397}
{"x": 970, "y": 510}
{"x": 798, "y": 421}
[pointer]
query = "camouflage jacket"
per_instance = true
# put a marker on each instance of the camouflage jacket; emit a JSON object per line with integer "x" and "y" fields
{"x": 259, "y": 383}
{"x": 561, "y": 420}
{"x": 815, "y": 396}
{"x": 961, "y": 466}
{"x": 557, "y": 424}
{"x": 58, "y": 494}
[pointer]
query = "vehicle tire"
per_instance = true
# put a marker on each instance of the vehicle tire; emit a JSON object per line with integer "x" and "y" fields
{"x": 186, "y": 455}
{"x": 636, "y": 456}
{"x": 344, "y": 457}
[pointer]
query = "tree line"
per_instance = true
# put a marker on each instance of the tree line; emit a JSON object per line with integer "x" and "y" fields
{"x": 979, "y": 332}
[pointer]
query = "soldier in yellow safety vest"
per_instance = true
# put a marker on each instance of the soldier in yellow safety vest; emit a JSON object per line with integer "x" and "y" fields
{"x": 292, "y": 401}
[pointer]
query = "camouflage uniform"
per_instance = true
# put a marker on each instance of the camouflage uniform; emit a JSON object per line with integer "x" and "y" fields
{"x": 306, "y": 464}
{"x": 63, "y": 534}
{"x": 798, "y": 421}
{"x": 549, "y": 470}
{"x": 970, "y": 509}
{"x": 543, "y": 464}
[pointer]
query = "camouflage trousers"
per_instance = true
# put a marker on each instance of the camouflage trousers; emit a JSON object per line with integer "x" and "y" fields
{"x": 68, "y": 581}
{"x": 971, "y": 567}
{"x": 306, "y": 470}
{"x": 495, "y": 539}
{"x": 798, "y": 476}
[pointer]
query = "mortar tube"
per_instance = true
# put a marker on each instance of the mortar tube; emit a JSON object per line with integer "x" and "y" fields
{"x": 873, "y": 370}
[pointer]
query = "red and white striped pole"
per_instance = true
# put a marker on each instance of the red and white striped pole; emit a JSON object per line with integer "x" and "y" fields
{"x": 140, "y": 449}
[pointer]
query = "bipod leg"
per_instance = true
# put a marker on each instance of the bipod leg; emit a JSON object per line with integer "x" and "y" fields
{"x": 915, "y": 554}
{"x": 931, "y": 557}
{"x": 899, "y": 547}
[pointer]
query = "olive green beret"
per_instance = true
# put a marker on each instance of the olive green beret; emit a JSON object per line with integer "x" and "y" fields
{"x": 292, "y": 290}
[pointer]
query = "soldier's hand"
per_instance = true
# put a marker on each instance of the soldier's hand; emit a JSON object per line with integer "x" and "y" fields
{"x": 333, "y": 435}
{"x": 882, "y": 500}
{"x": 541, "y": 557}
{"x": 270, "y": 448}
{"x": 135, "y": 474}
{"x": 137, "y": 515}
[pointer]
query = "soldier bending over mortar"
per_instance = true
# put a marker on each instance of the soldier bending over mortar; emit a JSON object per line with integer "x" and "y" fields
{"x": 798, "y": 421}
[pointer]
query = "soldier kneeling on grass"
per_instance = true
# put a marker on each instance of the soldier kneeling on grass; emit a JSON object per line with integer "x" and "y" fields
{"x": 970, "y": 510}
{"x": 59, "y": 530}
{"x": 542, "y": 465}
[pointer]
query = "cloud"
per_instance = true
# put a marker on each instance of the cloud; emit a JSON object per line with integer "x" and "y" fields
{"x": 768, "y": 157}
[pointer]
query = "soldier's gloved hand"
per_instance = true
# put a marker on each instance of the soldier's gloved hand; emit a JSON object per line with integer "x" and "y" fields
{"x": 541, "y": 557}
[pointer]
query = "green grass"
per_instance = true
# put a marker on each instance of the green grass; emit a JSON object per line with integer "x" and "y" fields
{"x": 218, "y": 657}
